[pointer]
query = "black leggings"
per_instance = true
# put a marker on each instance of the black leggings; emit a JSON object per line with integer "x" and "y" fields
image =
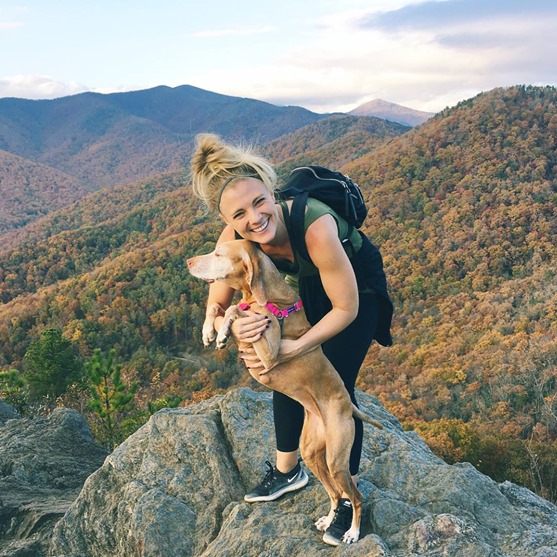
{"x": 346, "y": 351}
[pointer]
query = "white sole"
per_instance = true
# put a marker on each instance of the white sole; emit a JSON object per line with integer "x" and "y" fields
{"x": 277, "y": 494}
{"x": 331, "y": 541}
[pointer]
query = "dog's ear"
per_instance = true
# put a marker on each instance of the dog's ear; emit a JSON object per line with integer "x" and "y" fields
{"x": 254, "y": 275}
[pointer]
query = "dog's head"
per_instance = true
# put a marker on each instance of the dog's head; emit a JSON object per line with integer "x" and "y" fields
{"x": 238, "y": 264}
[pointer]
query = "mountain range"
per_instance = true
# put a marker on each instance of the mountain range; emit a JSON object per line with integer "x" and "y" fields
{"x": 89, "y": 141}
{"x": 462, "y": 208}
{"x": 106, "y": 139}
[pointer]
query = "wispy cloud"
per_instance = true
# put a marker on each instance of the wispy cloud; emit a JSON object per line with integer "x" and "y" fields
{"x": 37, "y": 87}
{"x": 10, "y": 16}
{"x": 217, "y": 33}
{"x": 433, "y": 15}
{"x": 10, "y": 24}
{"x": 431, "y": 54}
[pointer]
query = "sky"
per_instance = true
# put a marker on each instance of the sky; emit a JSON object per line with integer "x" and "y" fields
{"x": 326, "y": 56}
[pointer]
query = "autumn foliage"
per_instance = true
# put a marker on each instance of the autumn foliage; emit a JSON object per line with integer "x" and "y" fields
{"x": 463, "y": 209}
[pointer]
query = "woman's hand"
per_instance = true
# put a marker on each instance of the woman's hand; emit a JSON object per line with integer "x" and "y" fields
{"x": 250, "y": 328}
{"x": 288, "y": 349}
{"x": 251, "y": 360}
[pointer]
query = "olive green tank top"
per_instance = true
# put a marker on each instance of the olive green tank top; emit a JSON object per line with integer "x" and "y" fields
{"x": 303, "y": 268}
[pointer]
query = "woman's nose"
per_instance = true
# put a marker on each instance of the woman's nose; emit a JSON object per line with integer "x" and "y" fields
{"x": 254, "y": 216}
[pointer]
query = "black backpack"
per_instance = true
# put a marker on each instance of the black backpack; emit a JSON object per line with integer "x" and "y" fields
{"x": 334, "y": 189}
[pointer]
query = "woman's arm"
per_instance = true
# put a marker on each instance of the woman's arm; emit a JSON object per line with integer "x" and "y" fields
{"x": 339, "y": 282}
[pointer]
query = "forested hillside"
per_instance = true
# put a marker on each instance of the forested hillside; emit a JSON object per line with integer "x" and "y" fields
{"x": 113, "y": 228}
{"x": 464, "y": 211}
{"x": 108, "y": 205}
{"x": 29, "y": 190}
{"x": 337, "y": 140}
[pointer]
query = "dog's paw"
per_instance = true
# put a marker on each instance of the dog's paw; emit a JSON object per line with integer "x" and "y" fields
{"x": 222, "y": 341}
{"x": 323, "y": 523}
{"x": 209, "y": 335}
{"x": 351, "y": 536}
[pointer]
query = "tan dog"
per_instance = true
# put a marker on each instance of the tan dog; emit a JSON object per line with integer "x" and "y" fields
{"x": 328, "y": 431}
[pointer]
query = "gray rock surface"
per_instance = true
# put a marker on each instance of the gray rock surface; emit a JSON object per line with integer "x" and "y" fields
{"x": 43, "y": 465}
{"x": 175, "y": 488}
{"x": 7, "y": 412}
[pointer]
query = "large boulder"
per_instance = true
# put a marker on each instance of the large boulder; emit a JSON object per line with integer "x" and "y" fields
{"x": 175, "y": 489}
{"x": 43, "y": 465}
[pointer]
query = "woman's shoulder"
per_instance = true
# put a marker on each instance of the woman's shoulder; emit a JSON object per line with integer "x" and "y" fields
{"x": 312, "y": 206}
{"x": 316, "y": 205}
{"x": 316, "y": 209}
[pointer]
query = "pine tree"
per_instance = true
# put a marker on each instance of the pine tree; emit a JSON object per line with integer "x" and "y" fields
{"x": 111, "y": 398}
{"x": 13, "y": 389}
{"x": 170, "y": 401}
{"x": 50, "y": 364}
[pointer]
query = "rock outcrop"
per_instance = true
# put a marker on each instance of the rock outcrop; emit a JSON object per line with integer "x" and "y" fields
{"x": 175, "y": 488}
{"x": 7, "y": 413}
{"x": 43, "y": 465}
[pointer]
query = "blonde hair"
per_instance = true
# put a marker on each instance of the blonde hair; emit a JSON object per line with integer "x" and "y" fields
{"x": 215, "y": 164}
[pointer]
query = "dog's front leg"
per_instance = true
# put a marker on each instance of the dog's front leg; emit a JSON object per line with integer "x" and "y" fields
{"x": 231, "y": 314}
{"x": 208, "y": 331}
{"x": 351, "y": 536}
{"x": 267, "y": 347}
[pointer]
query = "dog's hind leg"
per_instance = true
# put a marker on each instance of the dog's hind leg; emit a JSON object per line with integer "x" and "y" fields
{"x": 312, "y": 449}
{"x": 339, "y": 444}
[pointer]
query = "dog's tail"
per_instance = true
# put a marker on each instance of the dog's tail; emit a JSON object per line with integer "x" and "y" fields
{"x": 357, "y": 413}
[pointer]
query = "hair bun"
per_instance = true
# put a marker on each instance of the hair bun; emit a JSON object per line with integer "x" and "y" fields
{"x": 214, "y": 161}
{"x": 208, "y": 153}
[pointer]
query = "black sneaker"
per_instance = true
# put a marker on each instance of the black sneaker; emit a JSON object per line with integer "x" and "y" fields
{"x": 341, "y": 523}
{"x": 275, "y": 484}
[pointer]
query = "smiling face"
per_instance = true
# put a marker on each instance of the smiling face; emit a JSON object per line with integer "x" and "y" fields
{"x": 249, "y": 207}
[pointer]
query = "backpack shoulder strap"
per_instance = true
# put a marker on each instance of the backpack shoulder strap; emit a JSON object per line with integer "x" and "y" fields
{"x": 295, "y": 225}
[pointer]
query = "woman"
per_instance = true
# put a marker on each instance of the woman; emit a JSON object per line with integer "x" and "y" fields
{"x": 345, "y": 299}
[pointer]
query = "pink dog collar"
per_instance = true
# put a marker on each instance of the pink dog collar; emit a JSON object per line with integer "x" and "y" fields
{"x": 277, "y": 312}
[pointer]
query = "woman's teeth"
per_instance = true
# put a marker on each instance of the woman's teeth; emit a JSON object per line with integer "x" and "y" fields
{"x": 262, "y": 227}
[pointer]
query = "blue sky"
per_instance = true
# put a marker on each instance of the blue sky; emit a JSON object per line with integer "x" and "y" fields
{"x": 320, "y": 54}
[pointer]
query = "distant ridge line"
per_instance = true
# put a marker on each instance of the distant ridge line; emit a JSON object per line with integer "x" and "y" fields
{"x": 393, "y": 112}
